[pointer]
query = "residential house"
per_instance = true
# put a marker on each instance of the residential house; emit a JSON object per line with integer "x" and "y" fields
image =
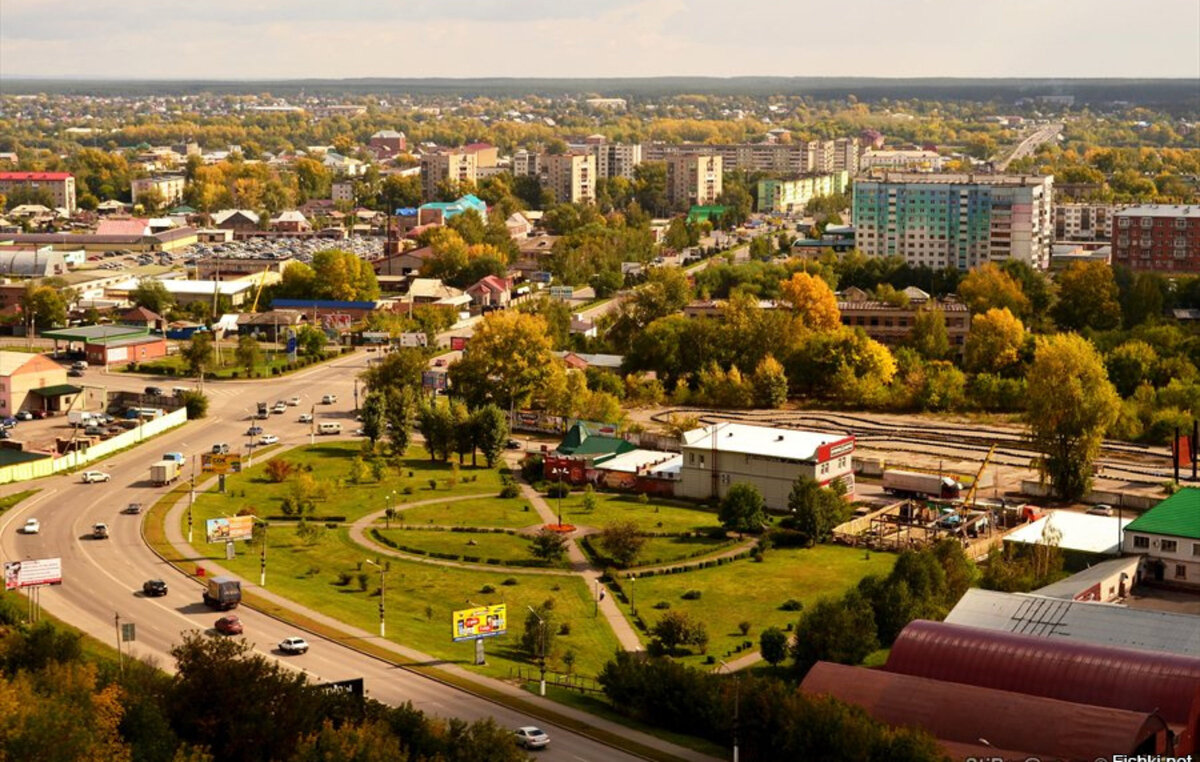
{"x": 236, "y": 220}
{"x": 403, "y": 263}
{"x": 1168, "y": 538}
{"x": 170, "y": 187}
{"x": 33, "y": 382}
{"x": 142, "y": 318}
{"x": 490, "y": 292}
{"x": 290, "y": 221}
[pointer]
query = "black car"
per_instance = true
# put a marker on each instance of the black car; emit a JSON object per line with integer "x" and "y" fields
{"x": 75, "y": 373}
{"x": 154, "y": 587}
{"x": 514, "y": 444}
{"x": 154, "y": 391}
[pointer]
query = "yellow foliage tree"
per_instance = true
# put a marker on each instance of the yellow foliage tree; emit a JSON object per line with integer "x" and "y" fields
{"x": 811, "y": 298}
{"x": 990, "y": 287}
{"x": 508, "y": 361}
{"x": 994, "y": 342}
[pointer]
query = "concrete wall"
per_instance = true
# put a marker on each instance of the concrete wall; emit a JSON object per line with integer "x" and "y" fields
{"x": 1136, "y": 502}
{"x": 48, "y": 466}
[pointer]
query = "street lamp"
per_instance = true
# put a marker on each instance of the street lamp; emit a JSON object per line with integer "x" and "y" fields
{"x": 541, "y": 648}
{"x": 559, "y": 471}
{"x": 388, "y": 510}
{"x": 382, "y": 589}
{"x": 736, "y": 701}
{"x": 262, "y": 564}
{"x": 633, "y": 594}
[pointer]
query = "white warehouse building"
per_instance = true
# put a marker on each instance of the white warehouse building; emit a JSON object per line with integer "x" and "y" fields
{"x": 718, "y": 456}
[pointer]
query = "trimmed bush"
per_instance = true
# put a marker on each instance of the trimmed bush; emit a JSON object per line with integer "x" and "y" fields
{"x": 791, "y": 604}
{"x": 486, "y": 589}
{"x": 691, "y": 595}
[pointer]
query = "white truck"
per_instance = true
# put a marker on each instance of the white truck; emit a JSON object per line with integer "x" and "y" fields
{"x": 80, "y": 417}
{"x": 164, "y": 472}
{"x": 916, "y": 484}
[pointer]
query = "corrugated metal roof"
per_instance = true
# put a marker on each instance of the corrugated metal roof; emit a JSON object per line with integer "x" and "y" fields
{"x": 1177, "y": 516}
{"x": 1104, "y": 624}
{"x": 1068, "y": 670}
{"x": 760, "y": 440}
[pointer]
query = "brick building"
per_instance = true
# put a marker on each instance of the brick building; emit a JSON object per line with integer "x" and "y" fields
{"x": 1157, "y": 237}
{"x": 61, "y": 186}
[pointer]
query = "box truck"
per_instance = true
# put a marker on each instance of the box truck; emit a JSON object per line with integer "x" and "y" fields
{"x": 164, "y": 472}
{"x": 223, "y": 593}
{"x": 80, "y": 417}
{"x": 916, "y": 484}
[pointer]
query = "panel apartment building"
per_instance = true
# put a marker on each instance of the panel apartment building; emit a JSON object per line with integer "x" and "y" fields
{"x": 170, "y": 187}
{"x": 1160, "y": 237}
{"x": 820, "y": 156}
{"x": 954, "y": 220}
{"x": 1083, "y": 222}
{"x": 613, "y": 159}
{"x": 436, "y": 168}
{"x": 693, "y": 180}
{"x": 61, "y": 186}
{"x": 571, "y": 176}
{"x": 794, "y": 195}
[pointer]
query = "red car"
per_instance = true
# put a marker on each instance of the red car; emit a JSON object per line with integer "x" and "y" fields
{"x": 229, "y": 625}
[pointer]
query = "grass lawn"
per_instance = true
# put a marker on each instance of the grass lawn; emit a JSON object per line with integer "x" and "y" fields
{"x": 478, "y": 512}
{"x": 331, "y": 462}
{"x": 665, "y": 550}
{"x": 10, "y": 500}
{"x": 657, "y": 515}
{"x": 749, "y": 591}
{"x": 420, "y": 597}
{"x": 229, "y": 367}
{"x": 506, "y": 547}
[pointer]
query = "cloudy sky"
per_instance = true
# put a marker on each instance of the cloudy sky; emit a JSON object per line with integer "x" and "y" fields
{"x": 250, "y": 39}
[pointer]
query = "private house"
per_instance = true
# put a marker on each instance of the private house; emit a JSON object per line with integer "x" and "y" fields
{"x": 490, "y": 292}
{"x": 33, "y": 382}
{"x": 236, "y": 220}
{"x": 290, "y": 221}
{"x": 403, "y": 263}
{"x": 141, "y": 317}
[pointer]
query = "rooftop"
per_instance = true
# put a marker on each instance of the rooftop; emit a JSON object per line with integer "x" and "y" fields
{"x": 93, "y": 332}
{"x": 28, "y": 176}
{"x": 1080, "y": 531}
{"x": 761, "y": 440}
{"x": 1177, "y": 516}
{"x": 952, "y": 178}
{"x": 1159, "y": 210}
{"x": 10, "y": 362}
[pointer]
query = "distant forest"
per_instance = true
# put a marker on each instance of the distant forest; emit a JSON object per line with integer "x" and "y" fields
{"x": 1167, "y": 94}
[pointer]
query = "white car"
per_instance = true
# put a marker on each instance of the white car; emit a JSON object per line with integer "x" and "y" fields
{"x": 306, "y": 418}
{"x": 94, "y": 476}
{"x": 294, "y": 401}
{"x": 329, "y": 399}
{"x": 32, "y": 526}
{"x": 530, "y": 737}
{"x": 268, "y": 439}
{"x": 293, "y": 645}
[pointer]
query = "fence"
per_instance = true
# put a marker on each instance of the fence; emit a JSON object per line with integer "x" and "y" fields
{"x": 45, "y": 467}
{"x": 580, "y": 683}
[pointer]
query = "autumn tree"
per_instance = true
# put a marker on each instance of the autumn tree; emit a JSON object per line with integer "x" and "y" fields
{"x": 1087, "y": 298}
{"x": 548, "y": 545}
{"x": 621, "y": 541}
{"x": 153, "y": 295}
{"x": 509, "y": 360}
{"x": 929, "y": 336}
{"x": 343, "y": 275}
{"x": 844, "y": 364}
{"x": 769, "y": 384}
{"x": 994, "y": 341}
{"x": 1070, "y": 406}
{"x": 1130, "y": 365}
{"x": 44, "y": 305}
{"x": 198, "y": 353}
{"x": 989, "y": 287}
{"x": 813, "y": 302}
{"x": 248, "y": 353}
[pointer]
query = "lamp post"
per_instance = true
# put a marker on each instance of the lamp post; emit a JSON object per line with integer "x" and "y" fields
{"x": 262, "y": 563}
{"x": 356, "y": 395}
{"x": 559, "y": 471}
{"x": 633, "y": 594}
{"x": 736, "y": 702}
{"x": 382, "y": 591}
{"x": 541, "y": 649}
{"x": 388, "y": 510}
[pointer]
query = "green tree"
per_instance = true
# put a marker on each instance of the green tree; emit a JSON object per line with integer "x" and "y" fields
{"x": 196, "y": 403}
{"x": 678, "y": 628}
{"x": 548, "y": 545}
{"x": 1087, "y": 298}
{"x": 398, "y": 369}
{"x": 838, "y": 630}
{"x": 462, "y": 430}
{"x": 153, "y": 295}
{"x": 45, "y": 305}
{"x": 436, "y": 424}
{"x": 994, "y": 342}
{"x": 373, "y": 413}
{"x": 1130, "y": 365}
{"x": 537, "y": 639}
{"x": 509, "y": 361}
{"x": 198, "y": 353}
{"x": 773, "y": 645}
{"x": 769, "y": 384}
{"x": 490, "y": 426}
{"x": 816, "y": 510}
{"x": 929, "y": 336}
{"x": 742, "y": 509}
{"x": 400, "y": 412}
{"x": 1070, "y": 406}
{"x": 311, "y": 340}
{"x": 248, "y": 353}
{"x": 621, "y": 541}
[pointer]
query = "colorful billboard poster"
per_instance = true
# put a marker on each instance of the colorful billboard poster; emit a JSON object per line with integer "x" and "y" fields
{"x": 32, "y": 572}
{"x": 226, "y": 529}
{"x": 213, "y": 463}
{"x": 481, "y": 622}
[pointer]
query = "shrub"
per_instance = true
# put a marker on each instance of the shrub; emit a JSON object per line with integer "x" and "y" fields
{"x": 509, "y": 491}
{"x": 558, "y": 489}
{"x": 691, "y": 595}
{"x": 486, "y": 589}
{"x": 432, "y": 483}
{"x": 509, "y": 582}
{"x": 662, "y": 605}
{"x": 791, "y": 604}
{"x": 744, "y": 627}
{"x": 343, "y": 579}
{"x": 408, "y": 490}
{"x": 363, "y": 578}
{"x": 564, "y": 628}
{"x": 278, "y": 469}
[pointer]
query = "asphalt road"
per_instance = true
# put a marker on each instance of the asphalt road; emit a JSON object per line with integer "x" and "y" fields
{"x": 103, "y": 578}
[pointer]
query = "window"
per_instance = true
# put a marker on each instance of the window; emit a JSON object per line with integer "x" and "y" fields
{"x": 1141, "y": 542}
{"x": 1180, "y": 223}
{"x": 1180, "y": 571}
{"x": 1169, "y": 546}
{"x": 1196, "y": 548}
{"x": 1147, "y": 222}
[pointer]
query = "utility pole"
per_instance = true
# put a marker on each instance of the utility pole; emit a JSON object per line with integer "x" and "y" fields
{"x": 541, "y": 648}
{"x": 262, "y": 567}
{"x": 382, "y": 596}
{"x": 120, "y": 651}
{"x": 736, "y": 702}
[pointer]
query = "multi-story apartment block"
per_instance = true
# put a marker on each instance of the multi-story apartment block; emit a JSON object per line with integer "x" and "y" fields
{"x": 954, "y": 220}
{"x": 819, "y": 156}
{"x": 571, "y": 176}
{"x": 693, "y": 180}
{"x": 892, "y": 323}
{"x": 911, "y": 161}
{"x": 61, "y": 186}
{"x": 1083, "y": 222}
{"x": 1157, "y": 237}
{"x": 526, "y": 164}
{"x": 388, "y": 143}
{"x": 342, "y": 191}
{"x": 170, "y": 187}
{"x": 794, "y": 195}
{"x": 614, "y": 159}
{"x": 436, "y": 168}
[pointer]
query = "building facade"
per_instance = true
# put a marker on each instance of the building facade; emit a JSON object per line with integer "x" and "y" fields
{"x": 719, "y": 456}
{"x": 1083, "y": 222}
{"x": 954, "y": 220}
{"x": 794, "y": 195}
{"x": 436, "y": 168}
{"x": 819, "y": 156}
{"x": 614, "y": 159}
{"x": 388, "y": 142}
{"x": 693, "y": 180}
{"x": 170, "y": 187}
{"x": 571, "y": 176}
{"x": 60, "y": 185}
{"x": 892, "y": 324}
{"x": 1167, "y": 537}
{"x": 1157, "y": 237}
{"x": 21, "y": 374}
{"x": 911, "y": 161}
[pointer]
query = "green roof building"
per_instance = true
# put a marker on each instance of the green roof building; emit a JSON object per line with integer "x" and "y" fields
{"x": 1168, "y": 538}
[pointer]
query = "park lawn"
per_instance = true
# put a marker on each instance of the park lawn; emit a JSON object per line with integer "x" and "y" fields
{"x": 510, "y": 513}
{"x": 656, "y": 515}
{"x": 506, "y": 547}
{"x": 746, "y": 590}
{"x": 9, "y": 501}
{"x": 665, "y": 550}
{"x": 331, "y": 462}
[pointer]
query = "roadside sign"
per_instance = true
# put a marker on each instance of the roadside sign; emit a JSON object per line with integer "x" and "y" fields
{"x": 481, "y": 622}
{"x": 229, "y": 463}
{"x": 128, "y": 632}
{"x": 32, "y": 573}
{"x": 229, "y": 528}
{"x": 414, "y": 339}
{"x": 353, "y": 686}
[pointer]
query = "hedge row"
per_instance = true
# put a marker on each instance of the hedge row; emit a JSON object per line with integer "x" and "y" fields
{"x": 469, "y": 530}
{"x": 327, "y": 519}
{"x": 694, "y": 567}
{"x": 603, "y": 560}
{"x": 532, "y": 562}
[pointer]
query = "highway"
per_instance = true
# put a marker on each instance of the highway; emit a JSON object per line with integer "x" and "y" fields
{"x": 1029, "y": 144}
{"x": 103, "y": 578}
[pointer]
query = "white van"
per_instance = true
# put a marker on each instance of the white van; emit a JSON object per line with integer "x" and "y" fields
{"x": 329, "y": 427}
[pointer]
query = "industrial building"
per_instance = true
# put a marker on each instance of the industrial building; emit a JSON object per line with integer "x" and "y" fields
{"x": 1167, "y": 537}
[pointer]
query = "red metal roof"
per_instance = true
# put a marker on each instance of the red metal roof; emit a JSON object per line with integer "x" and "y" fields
{"x": 35, "y": 175}
{"x": 1069, "y": 670}
{"x": 964, "y": 714}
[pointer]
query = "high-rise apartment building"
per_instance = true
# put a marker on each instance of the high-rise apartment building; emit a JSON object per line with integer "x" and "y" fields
{"x": 60, "y": 185}
{"x": 614, "y": 159}
{"x": 818, "y": 156}
{"x": 572, "y": 176}
{"x": 1083, "y": 222}
{"x": 794, "y": 195}
{"x": 436, "y": 168}
{"x": 954, "y": 220}
{"x": 693, "y": 180}
{"x": 526, "y": 163}
{"x": 1157, "y": 237}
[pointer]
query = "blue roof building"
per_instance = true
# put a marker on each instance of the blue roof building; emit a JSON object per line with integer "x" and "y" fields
{"x": 439, "y": 212}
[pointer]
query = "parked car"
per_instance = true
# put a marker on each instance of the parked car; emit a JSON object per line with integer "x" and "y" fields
{"x": 329, "y": 399}
{"x": 279, "y": 407}
{"x": 154, "y": 391}
{"x": 1101, "y": 509}
{"x": 24, "y": 415}
{"x": 530, "y": 737}
{"x": 229, "y": 625}
{"x": 40, "y": 414}
{"x": 75, "y": 373}
{"x": 32, "y": 526}
{"x": 94, "y": 431}
{"x": 254, "y": 431}
{"x": 306, "y": 418}
{"x": 513, "y": 444}
{"x": 440, "y": 362}
{"x": 293, "y": 645}
{"x": 94, "y": 476}
{"x": 268, "y": 439}
{"x": 154, "y": 588}
{"x": 221, "y": 448}
{"x": 8, "y": 421}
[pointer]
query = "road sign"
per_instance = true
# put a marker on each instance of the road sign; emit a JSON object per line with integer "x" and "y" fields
{"x": 353, "y": 686}
{"x": 128, "y": 632}
{"x": 228, "y": 463}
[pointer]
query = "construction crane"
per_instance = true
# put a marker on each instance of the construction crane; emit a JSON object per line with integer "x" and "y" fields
{"x": 262, "y": 282}
{"x": 971, "y": 493}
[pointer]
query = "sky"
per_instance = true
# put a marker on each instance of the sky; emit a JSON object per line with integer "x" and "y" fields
{"x": 292, "y": 39}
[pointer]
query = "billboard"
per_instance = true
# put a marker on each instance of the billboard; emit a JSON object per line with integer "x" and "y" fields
{"x": 540, "y": 276}
{"x": 226, "y": 529}
{"x": 458, "y": 343}
{"x": 229, "y": 463}
{"x": 31, "y": 573}
{"x": 562, "y": 293}
{"x": 414, "y": 339}
{"x": 481, "y": 622}
{"x": 432, "y": 379}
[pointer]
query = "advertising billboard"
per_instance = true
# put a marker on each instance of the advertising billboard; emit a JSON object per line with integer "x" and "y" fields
{"x": 414, "y": 339}
{"x": 229, "y": 463}
{"x": 31, "y": 573}
{"x": 481, "y": 622}
{"x": 458, "y": 343}
{"x": 231, "y": 528}
{"x": 562, "y": 293}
